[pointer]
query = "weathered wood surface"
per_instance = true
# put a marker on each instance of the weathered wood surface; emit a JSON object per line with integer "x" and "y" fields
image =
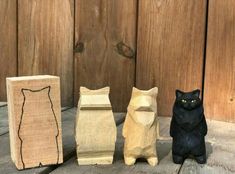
{"x": 45, "y": 41}
{"x": 3, "y": 120}
{"x": 220, "y": 149}
{"x": 165, "y": 167}
{"x": 220, "y": 143}
{"x": 8, "y": 43}
{"x": 219, "y": 93}
{"x": 101, "y": 26}
{"x": 170, "y": 45}
{"x": 68, "y": 120}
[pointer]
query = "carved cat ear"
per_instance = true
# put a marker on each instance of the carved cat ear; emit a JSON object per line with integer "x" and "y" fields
{"x": 178, "y": 93}
{"x": 153, "y": 91}
{"x": 135, "y": 90}
{"x": 196, "y": 93}
{"x": 84, "y": 90}
{"x": 28, "y": 91}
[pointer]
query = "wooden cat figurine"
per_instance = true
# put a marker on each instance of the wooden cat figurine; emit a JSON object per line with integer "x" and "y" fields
{"x": 95, "y": 127}
{"x": 188, "y": 127}
{"x": 141, "y": 127}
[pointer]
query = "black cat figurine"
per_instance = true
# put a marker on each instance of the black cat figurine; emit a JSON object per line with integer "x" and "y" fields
{"x": 188, "y": 127}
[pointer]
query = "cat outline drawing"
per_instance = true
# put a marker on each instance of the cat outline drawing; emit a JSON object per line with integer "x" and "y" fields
{"x": 141, "y": 128}
{"x": 47, "y": 134}
{"x": 188, "y": 127}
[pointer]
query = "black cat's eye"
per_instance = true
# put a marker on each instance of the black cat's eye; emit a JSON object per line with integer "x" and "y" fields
{"x": 193, "y": 101}
{"x": 184, "y": 101}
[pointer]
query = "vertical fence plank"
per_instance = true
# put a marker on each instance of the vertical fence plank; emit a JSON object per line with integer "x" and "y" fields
{"x": 101, "y": 26}
{"x": 171, "y": 36}
{"x": 45, "y": 46}
{"x": 219, "y": 93}
{"x": 8, "y": 44}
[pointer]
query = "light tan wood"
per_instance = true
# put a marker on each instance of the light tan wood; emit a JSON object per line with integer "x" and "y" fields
{"x": 100, "y": 27}
{"x": 95, "y": 131}
{"x": 45, "y": 41}
{"x": 8, "y": 44}
{"x": 171, "y": 36}
{"x": 219, "y": 93}
{"x": 141, "y": 128}
{"x": 34, "y": 109}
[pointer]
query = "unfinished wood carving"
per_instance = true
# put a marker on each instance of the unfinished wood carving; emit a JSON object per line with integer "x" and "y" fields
{"x": 141, "y": 128}
{"x": 95, "y": 127}
{"x": 34, "y": 120}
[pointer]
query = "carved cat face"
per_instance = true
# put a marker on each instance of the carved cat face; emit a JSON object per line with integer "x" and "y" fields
{"x": 188, "y": 100}
{"x": 188, "y": 109}
{"x": 94, "y": 99}
{"x": 143, "y": 105}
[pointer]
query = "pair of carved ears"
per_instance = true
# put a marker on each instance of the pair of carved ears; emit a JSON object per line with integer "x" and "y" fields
{"x": 179, "y": 93}
{"x": 25, "y": 90}
{"x": 84, "y": 90}
{"x": 150, "y": 92}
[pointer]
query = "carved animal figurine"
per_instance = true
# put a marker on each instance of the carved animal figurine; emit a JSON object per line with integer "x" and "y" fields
{"x": 95, "y": 127}
{"x": 141, "y": 127}
{"x": 188, "y": 127}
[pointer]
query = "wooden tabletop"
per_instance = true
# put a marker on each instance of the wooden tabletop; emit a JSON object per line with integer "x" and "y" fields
{"x": 220, "y": 143}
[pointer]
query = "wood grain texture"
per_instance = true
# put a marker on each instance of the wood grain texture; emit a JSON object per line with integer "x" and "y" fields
{"x": 34, "y": 109}
{"x": 99, "y": 26}
{"x": 68, "y": 119}
{"x": 140, "y": 128}
{"x": 166, "y": 166}
{"x": 219, "y": 94}
{"x": 8, "y": 44}
{"x": 170, "y": 47}
{"x": 95, "y": 128}
{"x": 45, "y": 46}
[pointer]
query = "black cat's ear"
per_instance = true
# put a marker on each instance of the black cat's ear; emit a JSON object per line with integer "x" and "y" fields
{"x": 196, "y": 93}
{"x": 178, "y": 93}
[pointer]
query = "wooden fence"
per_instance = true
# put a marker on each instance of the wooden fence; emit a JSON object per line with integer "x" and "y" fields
{"x": 171, "y": 44}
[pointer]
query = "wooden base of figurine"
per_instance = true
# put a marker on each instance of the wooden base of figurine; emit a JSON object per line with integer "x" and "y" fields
{"x": 95, "y": 160}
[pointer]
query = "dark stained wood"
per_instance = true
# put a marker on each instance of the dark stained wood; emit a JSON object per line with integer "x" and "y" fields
{"x": 219, "y": 94}
{"x": 105, "y": 36}
{"x": 46, "y": 29}
{"x": 8, "y": 44}
{"x": 170, "y": 47}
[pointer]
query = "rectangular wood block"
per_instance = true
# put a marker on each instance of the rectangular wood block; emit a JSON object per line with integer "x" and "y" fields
{"x": 95, "y": 127}
{"x": 35, "y": 120}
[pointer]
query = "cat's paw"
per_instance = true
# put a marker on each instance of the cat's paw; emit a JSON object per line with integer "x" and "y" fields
{"x": 178, "y": 159}
{"x": 129, "y": 160}
{"x": 201, "y": 159}
{"x": 152, "y": 161}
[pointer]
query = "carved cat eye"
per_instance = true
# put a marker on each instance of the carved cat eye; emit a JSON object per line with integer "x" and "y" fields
{"x": 184, "y": 101}
{"x": 193, "y": 101}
